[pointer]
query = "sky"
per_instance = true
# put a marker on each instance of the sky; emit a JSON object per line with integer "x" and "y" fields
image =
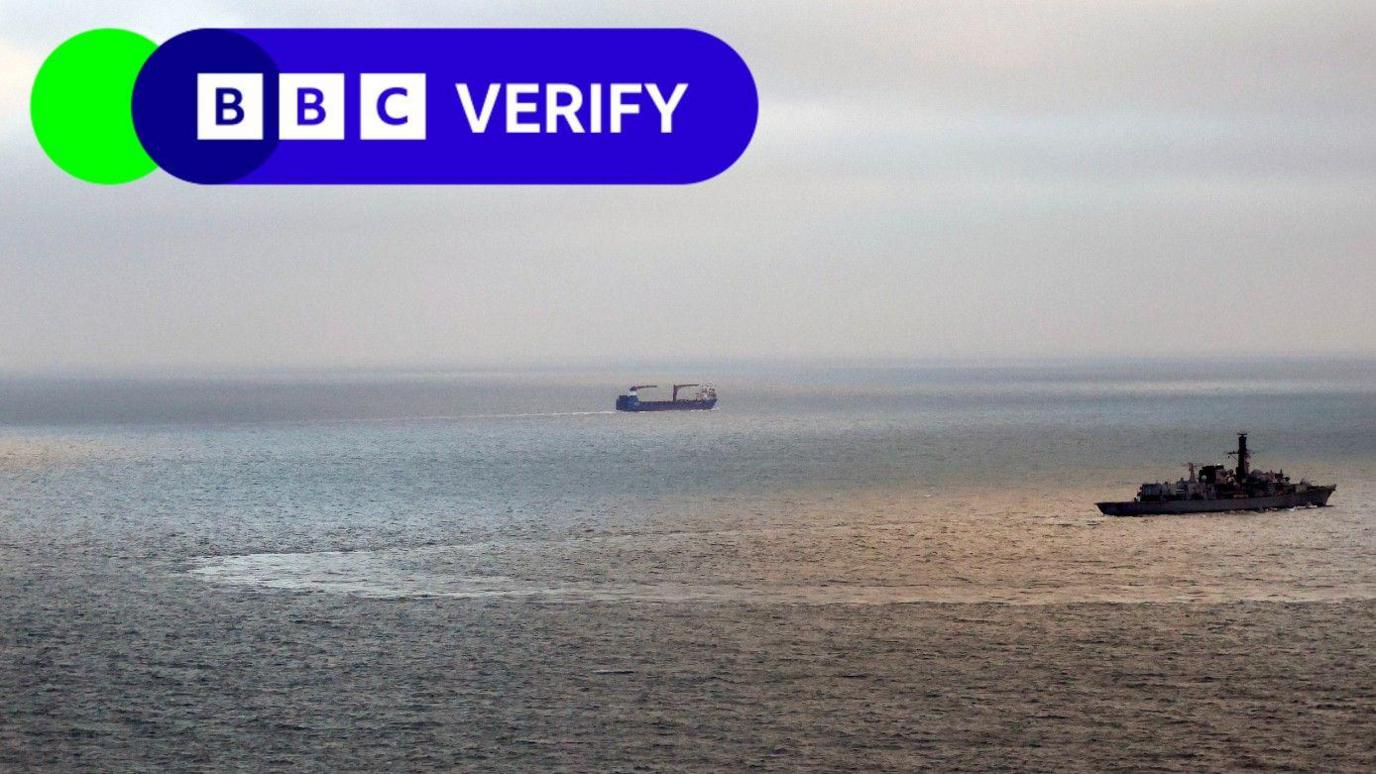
{"x": 927, "y": 180}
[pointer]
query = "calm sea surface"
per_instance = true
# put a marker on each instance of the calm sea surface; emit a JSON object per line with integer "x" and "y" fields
{"x": 840, "y": 569}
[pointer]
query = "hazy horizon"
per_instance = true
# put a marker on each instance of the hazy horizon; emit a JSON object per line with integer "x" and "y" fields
{"x": 670, "y": 369}
{"x": 927, "y": 181}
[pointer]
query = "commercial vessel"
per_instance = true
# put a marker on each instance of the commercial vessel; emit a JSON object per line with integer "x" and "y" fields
{"x": 1218, "y": 488}
{"x": 704, "y": 398}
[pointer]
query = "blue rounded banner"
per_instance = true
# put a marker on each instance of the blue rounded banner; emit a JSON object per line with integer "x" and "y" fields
{"x": 440, "y": 106}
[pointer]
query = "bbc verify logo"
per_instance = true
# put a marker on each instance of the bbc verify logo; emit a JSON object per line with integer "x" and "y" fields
{"x": 311, "y": 106}
{"x": 367, "y": 106}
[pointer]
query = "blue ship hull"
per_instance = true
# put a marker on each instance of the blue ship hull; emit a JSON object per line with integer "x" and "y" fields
{"x": 630, "y": 403}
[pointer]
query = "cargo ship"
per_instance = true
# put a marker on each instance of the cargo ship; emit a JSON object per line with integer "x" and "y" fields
{"x": 1219, "y": 488}
{"x": 703, "y": 399}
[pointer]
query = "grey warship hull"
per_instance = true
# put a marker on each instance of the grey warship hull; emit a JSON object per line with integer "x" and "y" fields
{"x": 1315, "y": 496}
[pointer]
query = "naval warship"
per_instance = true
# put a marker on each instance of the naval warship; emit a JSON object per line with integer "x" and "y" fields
{"x": 1217, "y": 488}
{"x": 703, "y": 399}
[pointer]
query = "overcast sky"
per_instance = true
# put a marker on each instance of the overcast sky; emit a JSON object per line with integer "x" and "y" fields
{"x": 927, "y": 180}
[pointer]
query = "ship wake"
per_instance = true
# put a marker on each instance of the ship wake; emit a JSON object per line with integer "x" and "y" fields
{"x": 725, "y": 567}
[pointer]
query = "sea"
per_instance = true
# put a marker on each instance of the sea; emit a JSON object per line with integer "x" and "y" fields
{"x": 844, "y": 567}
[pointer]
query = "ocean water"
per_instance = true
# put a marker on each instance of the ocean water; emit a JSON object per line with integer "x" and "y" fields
{"x": 840, "y": 569}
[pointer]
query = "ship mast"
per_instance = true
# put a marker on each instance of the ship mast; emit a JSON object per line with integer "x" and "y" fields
{"x": 1244, "y": 457}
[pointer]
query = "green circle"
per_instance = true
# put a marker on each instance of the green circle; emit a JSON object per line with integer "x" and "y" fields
{"x": 82, "y": 106}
